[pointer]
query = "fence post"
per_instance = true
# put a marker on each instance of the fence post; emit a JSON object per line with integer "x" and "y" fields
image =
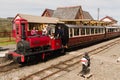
{"x": 9, "y": 36}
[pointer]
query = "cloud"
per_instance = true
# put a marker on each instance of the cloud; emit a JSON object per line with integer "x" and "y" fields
{"x": 36, "y": 7}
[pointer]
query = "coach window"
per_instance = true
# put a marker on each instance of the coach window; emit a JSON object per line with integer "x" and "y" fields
{"x": 76, "y": 31}
{"x": 79, "y": 31}
{"x": 95, "y": 30}
{"x": 98, "y": 30}
{"x": 87, "y": 31}
{"x": 115, "y": 30}
{"x": 83, "y": 31}
{"x": 92, "y": 30}
{"x": 101, "y": 30}
{"x": 108, "y": 30}
{"x": 70, "y": 32}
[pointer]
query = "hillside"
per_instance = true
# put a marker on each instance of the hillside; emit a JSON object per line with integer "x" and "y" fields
{"x": 5, "y": 25}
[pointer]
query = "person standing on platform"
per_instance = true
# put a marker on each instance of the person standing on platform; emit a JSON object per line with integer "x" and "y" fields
{"x": 85, "y": 64}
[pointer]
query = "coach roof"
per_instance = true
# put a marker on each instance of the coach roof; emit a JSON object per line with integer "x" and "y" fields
{"x": 78, "y": 26}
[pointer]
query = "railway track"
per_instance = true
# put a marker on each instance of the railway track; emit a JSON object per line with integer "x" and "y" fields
{"x": 8, "y": 66}
{"x": 65, "y": 66}
{"x": 3, "y": 49}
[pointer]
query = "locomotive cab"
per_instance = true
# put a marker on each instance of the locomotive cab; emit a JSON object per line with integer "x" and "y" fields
{"x": 19, "y": 29}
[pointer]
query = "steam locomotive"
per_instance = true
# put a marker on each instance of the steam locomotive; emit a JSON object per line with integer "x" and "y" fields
{"x": 40, "y": 46}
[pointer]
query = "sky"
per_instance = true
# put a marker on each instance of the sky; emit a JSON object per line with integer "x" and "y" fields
{"x": 9, "y": 8}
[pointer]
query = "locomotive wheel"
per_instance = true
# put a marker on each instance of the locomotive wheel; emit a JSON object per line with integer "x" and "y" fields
{"x": 43, "y": 56}
{"x": 32, "y": 59}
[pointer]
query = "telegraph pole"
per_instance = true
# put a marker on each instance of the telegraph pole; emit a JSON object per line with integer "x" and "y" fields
{"x": 98, "y": 14}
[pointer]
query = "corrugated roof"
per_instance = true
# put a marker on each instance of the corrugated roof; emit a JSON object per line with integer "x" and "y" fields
{"x": 38, "y": 19}
{"x": 66, "y": 12}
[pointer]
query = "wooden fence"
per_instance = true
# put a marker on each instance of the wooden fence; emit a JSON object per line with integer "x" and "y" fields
{"x": 6, "y": 37}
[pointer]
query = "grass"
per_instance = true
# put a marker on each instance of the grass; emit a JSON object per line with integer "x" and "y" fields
{"x": 6, "y": 41}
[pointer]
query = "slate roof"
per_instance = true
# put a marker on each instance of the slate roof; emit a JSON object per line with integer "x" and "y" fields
{"x": 50, "y": 11}
{"x": 86, "y": 15}
{"x": 66, "y": 12}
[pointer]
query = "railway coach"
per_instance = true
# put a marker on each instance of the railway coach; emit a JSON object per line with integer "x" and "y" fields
{"x": 83, "y": 35}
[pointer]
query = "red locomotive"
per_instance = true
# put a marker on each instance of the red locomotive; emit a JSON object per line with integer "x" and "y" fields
{"x": 39, "y": 46}
{"x": 35, "y": 46}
